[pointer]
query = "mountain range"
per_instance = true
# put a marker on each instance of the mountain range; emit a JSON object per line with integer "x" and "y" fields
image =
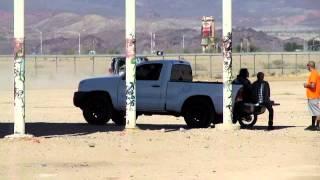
{"x": 101, "y": 22}
{"x": 248, "y": 13}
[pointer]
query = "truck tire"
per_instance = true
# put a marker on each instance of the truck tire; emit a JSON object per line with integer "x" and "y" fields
{"x": 198, "y": 113}
{"x": 97, "y": 110}
{"x": 118, "y": 117}
{"x": 248, "y": 121}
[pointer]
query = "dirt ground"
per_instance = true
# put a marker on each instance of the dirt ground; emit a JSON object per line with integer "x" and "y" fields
{"x": 65, "y": 147}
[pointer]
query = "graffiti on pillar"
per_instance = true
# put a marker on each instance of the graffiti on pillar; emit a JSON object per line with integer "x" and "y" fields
{"x": 227, "y": 65}
{"x": 227, "y": 51}
{"x": 131, "y": 63}
{"x": 131, "y": 100}
{"x": 19, "y": 75}
{"x": 130, "y": 45}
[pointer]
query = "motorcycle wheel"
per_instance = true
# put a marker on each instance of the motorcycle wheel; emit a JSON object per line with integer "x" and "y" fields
{"x": 248, "y": 121}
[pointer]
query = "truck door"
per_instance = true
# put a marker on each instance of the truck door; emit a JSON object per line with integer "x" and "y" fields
{"x": 148, "y": 88}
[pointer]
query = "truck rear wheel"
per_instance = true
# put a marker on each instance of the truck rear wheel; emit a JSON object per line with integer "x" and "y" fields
{"x": 198, "y": 113}
{"x": 97, "y": 110}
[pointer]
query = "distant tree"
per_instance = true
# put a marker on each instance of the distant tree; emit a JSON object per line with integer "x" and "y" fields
{"x": 69, "y": 52}
{"x": 186, "y": 51}
{"x": 253, "y": 48}
{"x": 292, "y": 46}
{"x": 237, "y": 48}
{"x": 2, "y": 38}
{"x": 113, "y": 51}
{"x": 169, "y": 51}
{"x": 197, "y": 50}
{"x": 313, "y": 45}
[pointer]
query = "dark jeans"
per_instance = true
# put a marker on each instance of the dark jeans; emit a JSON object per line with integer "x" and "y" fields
{"x": 269, "y": 107}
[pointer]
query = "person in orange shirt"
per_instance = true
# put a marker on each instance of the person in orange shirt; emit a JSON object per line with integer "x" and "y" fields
{"x": 312, "y": 93}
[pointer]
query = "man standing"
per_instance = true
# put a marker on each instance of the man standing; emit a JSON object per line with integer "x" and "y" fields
{"x": 261, "y": 95}
{"x": 312, "y": 94}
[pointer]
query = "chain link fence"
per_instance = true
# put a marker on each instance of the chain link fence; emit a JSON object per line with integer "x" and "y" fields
{"x": 68, "y": 69}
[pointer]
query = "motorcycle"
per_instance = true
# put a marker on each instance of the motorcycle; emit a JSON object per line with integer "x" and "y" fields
{"x": 246, "y": 113}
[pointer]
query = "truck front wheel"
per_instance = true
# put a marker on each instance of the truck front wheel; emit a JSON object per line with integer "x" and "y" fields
{"x": 97, "y": 111}
{"x": 198, "y": 113}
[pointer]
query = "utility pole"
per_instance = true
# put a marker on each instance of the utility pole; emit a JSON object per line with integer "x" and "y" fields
{"x": 154, "y": 42}
{"x": 41, "y": 47}
{"x": 79, "y": 44}
{"x": 131, "y": 64}
{"x": 151, "y": 43}
{"x": 227, "y": 65}
{"x": 19, "y": 70}
{"x": 41, "y": 40}
{"x": 183, "y": 43}
{"x": 248, "y": 45}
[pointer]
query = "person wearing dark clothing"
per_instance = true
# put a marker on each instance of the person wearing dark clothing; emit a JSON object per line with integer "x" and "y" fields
{"x": 242, "y": 79}
{"x": 261, "y": 94}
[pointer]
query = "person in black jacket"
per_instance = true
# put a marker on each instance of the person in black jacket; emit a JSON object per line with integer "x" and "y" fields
{"x": 261, "y": 94}
{"x": 242, "y": 79}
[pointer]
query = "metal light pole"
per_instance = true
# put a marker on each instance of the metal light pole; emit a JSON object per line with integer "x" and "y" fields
{"x": 41, "y": 39}
{"x": 41, "y": 50}
{"x": 19, "y": 70}
{"x": 131, "y": 64}
{"x": 183, "y": 43}
{"x": 227, "y": 64}
{"x": 79, "y": 44}
{"x": 151, "y": 50}
{"x": 154, "y": 42}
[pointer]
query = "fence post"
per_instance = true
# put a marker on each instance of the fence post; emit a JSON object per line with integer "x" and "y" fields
{"x": 254, "y": 64}
{"x": 240, "y": 61}
{"x": 296, "y": 64}
{"x": 74, "y": 65}
{"x": 107, "y": 63}
{"x": 268, "y": 63}
{"x": 35, "y": 65}
{"x": 195, "y": 64}
{"x": 211, "y": 66}
{"x": 93, "y": 59}
{"x": 282, "y": 64}
{"x": 56, "y": 64}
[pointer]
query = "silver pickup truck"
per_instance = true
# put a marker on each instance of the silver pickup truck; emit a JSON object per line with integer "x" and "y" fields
{"x": 163, "y": 87}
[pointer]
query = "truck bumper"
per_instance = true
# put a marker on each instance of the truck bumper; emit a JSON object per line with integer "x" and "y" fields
{"x": 79, "y": 98}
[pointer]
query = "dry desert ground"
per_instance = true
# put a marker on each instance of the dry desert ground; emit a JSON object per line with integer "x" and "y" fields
{"x": 64, "y": 146}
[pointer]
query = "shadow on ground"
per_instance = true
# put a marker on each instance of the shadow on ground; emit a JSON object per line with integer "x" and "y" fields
{"x": 166, "y": 127}
{"x": 263, "y": 128}
{"x": 42, "y": 129}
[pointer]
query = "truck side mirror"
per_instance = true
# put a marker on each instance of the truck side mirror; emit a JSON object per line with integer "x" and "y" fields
{"x": 159, "y": 53}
